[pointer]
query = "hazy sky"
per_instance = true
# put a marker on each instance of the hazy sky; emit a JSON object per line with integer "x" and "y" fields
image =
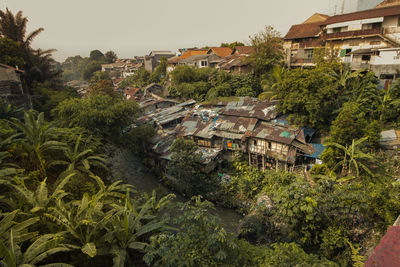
{"x": 135, "y": 27}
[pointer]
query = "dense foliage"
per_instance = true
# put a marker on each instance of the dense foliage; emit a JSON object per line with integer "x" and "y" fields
{"x": 101, "y": 114}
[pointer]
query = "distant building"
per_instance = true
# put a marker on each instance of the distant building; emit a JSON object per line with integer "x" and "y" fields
{"x": 153, "y": 59}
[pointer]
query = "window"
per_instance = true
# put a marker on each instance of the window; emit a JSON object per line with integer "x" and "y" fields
{"x": 337, "y": 29}
{"x": 269, "y": 145}
{"x": 204, "y": 63}
{"x": 366, "y": 57}
{"x": 308, "y": 53}
{"x": 255, "y": 142}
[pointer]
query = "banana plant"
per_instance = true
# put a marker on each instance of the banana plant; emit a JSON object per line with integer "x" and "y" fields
{"x": 37, "y": 139}
{"x": 44, "y": 246}
{"x": 85, "y": 221}
{"x": 132, "y": 227}
{"x": 78, "y": 160}
{"x": 113, "y": 192}
{"x": 352, "y": 158}
{"x": 39, "y": 200}
{"x": 20, "y": 229}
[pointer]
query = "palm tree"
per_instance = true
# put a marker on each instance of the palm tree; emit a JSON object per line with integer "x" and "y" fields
{"x": 352, "y": 157}
{"x": 131, "y": 228}
{"x": 38, "y": 64}
{"x": 14, "y": 27}
{"x": 38, "y": 141}
{"x": 78, "y": 160}
{"x": 43, "y": 247}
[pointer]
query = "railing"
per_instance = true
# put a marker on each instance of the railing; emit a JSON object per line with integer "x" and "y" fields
{"x": 350, "y": 34}
{"x": 307, "y": 44}
{"x": 301, "y": 60}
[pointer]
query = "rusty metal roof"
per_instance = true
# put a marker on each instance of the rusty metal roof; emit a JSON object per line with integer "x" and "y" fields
{"x": 251, "y": 108}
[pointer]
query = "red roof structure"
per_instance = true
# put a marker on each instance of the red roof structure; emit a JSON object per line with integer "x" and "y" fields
{"x": 366, "y": 14}
{"x": 387, "y": 253}
{"x": 303, "y": 31}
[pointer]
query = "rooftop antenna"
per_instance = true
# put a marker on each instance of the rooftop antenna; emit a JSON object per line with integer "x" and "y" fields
{"x": 342, "y": 9}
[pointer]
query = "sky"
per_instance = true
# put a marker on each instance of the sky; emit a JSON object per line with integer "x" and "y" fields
{"x": 136, "y": 27}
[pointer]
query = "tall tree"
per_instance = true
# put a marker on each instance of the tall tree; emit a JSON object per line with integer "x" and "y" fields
{"x": 14, "y": 27}
{"x": 269, "y": 51}
{"x": 96, "y": 55}
{"x": 110, "y": 56}
{"x": 39, "y": 65}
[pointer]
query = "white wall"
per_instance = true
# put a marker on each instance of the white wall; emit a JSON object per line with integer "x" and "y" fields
{"x": 387, "y": 57}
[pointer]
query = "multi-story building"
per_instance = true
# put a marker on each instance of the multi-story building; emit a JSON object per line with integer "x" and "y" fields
{"x": 153, "y": 59}
{"x": 368, "y": 39}
{"x": 301, "y": 40}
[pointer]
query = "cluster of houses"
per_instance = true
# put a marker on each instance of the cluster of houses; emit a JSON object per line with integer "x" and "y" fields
{"x": 220, "y": 58}
{"x": 243, "y": 124}
{"x": 367, "y": 39}
{"x": 123, "y": 67}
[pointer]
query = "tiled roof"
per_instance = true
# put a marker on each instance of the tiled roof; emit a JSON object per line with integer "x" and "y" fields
{"x": 304, "y": 31}
{"x": 220, "y": 51}
{"x": 366, "y": 14}
{"x": 244, "y": 50}
{"x": 187, "y": 54}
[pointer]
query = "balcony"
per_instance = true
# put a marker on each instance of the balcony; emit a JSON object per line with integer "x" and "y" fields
{"x": 302, "y": 61}
{"x": 352, "y": 34}
{"x": 307, "y": 44}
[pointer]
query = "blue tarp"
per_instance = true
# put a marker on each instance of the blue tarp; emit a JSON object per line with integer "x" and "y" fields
{"x": 318, "y": 149}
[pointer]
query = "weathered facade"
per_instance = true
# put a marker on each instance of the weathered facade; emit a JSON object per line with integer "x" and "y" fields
{"x": 246, "y": 125}
{"x": 11, "y": 87}
{"x": 358, "y": 36}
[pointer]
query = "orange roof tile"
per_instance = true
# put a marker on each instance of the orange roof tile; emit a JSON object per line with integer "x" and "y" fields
{"x": 220, "y": 51}
{"x": 187, "y": 54}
